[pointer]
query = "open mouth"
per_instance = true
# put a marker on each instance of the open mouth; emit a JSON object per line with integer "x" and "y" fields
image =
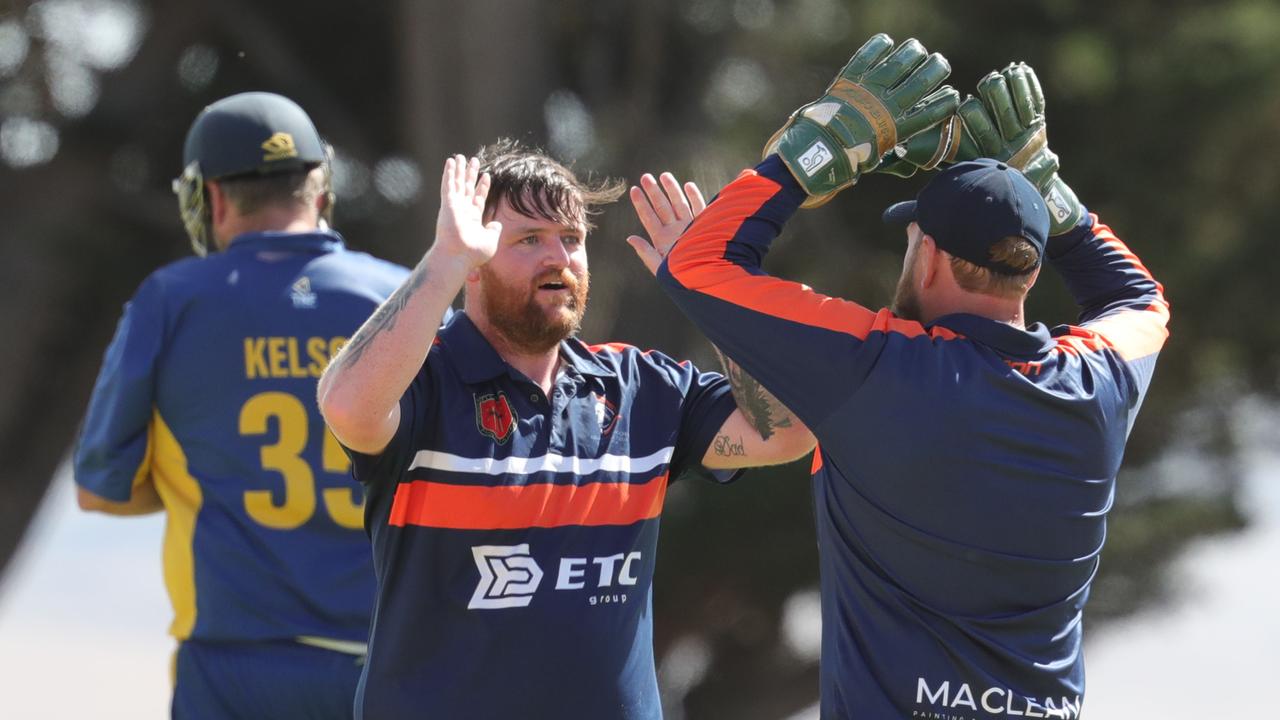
{"x": 553, "y": 286}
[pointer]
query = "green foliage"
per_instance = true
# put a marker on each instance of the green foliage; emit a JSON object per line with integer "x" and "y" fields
{"x": 1140, "y": 541}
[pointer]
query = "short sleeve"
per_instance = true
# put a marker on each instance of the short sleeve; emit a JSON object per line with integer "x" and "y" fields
{"x": 707, "y": 402}
{"x": 112, "y": 451}
{"x": 416, "y": 405}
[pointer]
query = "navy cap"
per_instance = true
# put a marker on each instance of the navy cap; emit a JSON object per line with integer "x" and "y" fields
{"x": 252, "y": 132}
{"x": 971, "y": 206}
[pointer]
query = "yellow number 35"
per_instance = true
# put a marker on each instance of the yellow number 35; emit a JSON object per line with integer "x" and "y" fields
{"x": 298, "y": 503}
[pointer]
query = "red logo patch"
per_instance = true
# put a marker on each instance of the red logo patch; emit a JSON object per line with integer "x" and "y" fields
{"x": 494, "y": 417}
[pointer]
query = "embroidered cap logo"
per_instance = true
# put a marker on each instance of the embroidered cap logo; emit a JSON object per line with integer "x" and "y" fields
{"x": 279, "y": 147}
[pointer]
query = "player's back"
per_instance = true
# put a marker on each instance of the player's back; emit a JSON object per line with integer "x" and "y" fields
{"x": 265, "y": 533}
{"x": 973, "y": 490}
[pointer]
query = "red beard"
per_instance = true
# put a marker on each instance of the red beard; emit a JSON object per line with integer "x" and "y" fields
{"x": 531, "y": 326}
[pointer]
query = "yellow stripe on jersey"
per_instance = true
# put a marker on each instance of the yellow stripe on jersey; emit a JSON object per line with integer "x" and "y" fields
{"x": 143, "y": 474}
{"x": 347, "y": 647}
{"x": 182, "y": 500}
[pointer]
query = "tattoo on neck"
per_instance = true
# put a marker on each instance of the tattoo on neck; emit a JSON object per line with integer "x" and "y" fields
{"x": 383, "y": 319}
{"x": 761, "y": 409}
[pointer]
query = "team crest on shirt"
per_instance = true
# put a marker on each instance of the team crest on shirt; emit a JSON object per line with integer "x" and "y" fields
{"x": 494, "y": 417}
{"x": 303, "y": 298}
{"x": 606, "y": 413}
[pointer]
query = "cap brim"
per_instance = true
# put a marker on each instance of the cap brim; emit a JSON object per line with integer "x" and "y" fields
{"x": 901, "y": 213}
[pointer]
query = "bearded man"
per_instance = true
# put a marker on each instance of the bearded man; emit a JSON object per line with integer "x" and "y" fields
{"x": 515, "y": 474}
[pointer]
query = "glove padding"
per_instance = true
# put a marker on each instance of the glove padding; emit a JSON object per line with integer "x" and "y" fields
{"x": 1007, "y": 122}
{"x": 883, "y": 96}
{"x": 945, "y": 143}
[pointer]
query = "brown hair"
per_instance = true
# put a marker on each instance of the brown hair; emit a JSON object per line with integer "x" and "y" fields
{"x": 1013, "y": 251}
{"x": 538, "y": 186}
{"x": 252, "y": 192}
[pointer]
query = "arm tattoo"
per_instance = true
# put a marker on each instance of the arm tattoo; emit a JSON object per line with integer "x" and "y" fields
{"x": 761, "y": 409}
{"x": 725, "y": 446}
{"x": 383, "y": 319}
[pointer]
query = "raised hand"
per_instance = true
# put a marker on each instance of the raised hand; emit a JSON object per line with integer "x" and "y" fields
{"x": 1007, "y": 122}
{"x": 460, "y": 227}
{"x": 882, "y": 97}
{"x": 944, "y": 142}
{"x": 665, "y": 209}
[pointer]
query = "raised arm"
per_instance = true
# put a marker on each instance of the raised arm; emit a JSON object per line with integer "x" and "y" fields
{"x": 359, "y": 393}
{"x": 810, "y": 351}
{"x": 1119, "y": 299}
{"x": 761, "y": 431}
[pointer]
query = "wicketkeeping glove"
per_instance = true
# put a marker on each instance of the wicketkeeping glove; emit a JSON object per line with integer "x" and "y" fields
{"x": 945, "y": 143}
{"x": 1007, "y": 123}
{"x": 882, "y": 97}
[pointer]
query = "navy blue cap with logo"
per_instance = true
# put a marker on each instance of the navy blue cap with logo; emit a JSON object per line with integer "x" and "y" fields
{"x": 252, "y": 133}
{"x": 971, "y": 206}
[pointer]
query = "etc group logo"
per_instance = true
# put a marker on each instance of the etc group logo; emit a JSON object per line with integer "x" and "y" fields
{"x": 508, "y": 576}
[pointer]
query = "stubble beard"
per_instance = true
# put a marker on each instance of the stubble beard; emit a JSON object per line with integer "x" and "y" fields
{"x": 906, "y": 303}
{"x": 527, "y": 325}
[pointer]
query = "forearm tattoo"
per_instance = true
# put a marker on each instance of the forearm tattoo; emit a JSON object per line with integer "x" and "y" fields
{"x": 762, "y": 410}
{"x": 383, "y": 319}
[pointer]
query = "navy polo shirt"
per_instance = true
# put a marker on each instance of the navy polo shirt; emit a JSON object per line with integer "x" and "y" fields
{"x": 514, "y": 533}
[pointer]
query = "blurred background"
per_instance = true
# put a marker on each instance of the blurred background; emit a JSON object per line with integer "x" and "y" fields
{"x": 1165, "y": 115}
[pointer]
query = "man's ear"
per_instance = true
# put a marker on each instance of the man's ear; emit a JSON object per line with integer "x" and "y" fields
{"x": 217, "y": 203}
{"x": 1035, "y": 275}
{"x": 322, "y": 205}
{"x": 930, "y": 260}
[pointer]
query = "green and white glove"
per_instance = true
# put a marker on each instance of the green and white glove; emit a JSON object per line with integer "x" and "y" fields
{"x": 882, "y": 97}
{"x": 942, "y": 144}
{"x": 1007, "y": 122}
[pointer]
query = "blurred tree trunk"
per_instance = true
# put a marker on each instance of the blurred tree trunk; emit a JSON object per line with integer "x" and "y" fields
{"x": 470, "y": 72}
{"x": 74, "y": 248}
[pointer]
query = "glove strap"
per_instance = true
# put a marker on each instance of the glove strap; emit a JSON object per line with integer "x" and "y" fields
{"x": 872, "y": 109}
{"x": 948, "y": 143}
{"x": 1037, "y": 142}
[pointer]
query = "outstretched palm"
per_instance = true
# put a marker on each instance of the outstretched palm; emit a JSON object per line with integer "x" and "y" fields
{"x": 460, "y": 226}
{"x": 665, "y": 210}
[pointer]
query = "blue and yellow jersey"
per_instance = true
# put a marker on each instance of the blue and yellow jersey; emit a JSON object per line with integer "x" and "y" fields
{"x": 965, "y": 467}
{"x": 208, "y": 391}
{"x": 515, "y": 532}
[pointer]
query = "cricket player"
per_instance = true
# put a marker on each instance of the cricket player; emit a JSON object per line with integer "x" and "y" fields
{"x": 967, "y": 457}
{"x": 204, "y": 408}
{"x": 516, "y": 474}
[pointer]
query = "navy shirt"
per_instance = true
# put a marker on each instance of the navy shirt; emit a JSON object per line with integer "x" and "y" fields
{"x": 208, "y": 391}
{"x": 965, "y": 467}
{"x": 514, "y": 533}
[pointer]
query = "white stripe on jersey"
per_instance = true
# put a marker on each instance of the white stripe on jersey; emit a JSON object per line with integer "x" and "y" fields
{"x": 433, "y": 460}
